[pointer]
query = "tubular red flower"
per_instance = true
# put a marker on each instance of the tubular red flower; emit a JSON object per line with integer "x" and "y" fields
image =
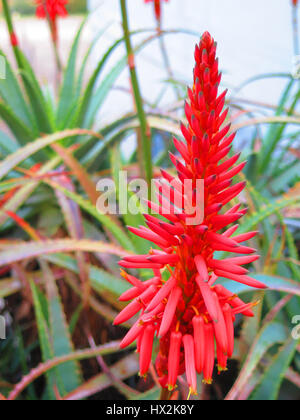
{"x": 190, "y": 303}
{"x": 169, "y": 312}
{"x": 146, "y": 349}
{"x": 220, "y": 328}
{"x": 134, "y": 307}
{"x": 199, "y": 338}
{"x": 157, "y": 7}
{"x": 174, "y": 359}
{"x": 54, "y": 9}
{"x": 162, "y": 294}
{"x": 132, "y": 334}
{"x": 229, "y": 328}
{"x": 190, "y": 369}
{"x": 209, "y": 360}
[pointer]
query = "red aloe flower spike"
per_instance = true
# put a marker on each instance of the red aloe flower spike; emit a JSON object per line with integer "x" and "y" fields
{"x": 190, "y": 369}
{"x": 146, "y": 349}
{"x": 174, "y": 359}
{"x": 191, "y": 301}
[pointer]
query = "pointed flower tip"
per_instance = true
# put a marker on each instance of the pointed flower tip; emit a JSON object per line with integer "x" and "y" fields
{"x": 207, "y": 381}
{"x": 193, "y": 392}
{"x": 222, "y": 369}
{"x": 171, "y": 388}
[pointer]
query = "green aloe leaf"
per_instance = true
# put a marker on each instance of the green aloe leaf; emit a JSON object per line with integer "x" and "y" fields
{"x": 269, "y": 386}
{"x": 24, "y": 250}
{"x": 104, "y": 219}
{"x": 22, "y": 132}
{"x": 60, "y": 334}
{"x": 124, "y": 369}
{"x": 101, "y": 281}
{"x": 266, "y": 211}
{"x": 44, "y": 338}
{"x": 12, "y": 95}
{"x": 272, "y": 333}
{"x": 66, "y": 97}
{"x": 30, "y": 149}
{"x": 35, "y": 96}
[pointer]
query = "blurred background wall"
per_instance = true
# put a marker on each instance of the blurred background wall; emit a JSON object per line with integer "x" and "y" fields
{"x": 254, "y": 37}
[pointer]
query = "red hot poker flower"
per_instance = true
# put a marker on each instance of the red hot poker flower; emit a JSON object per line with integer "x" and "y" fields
{"x": 53, "y": 9}
{"x": 295, "y": 3}
{"x": 157, "y": 7}
{"x": 190, "y": 313}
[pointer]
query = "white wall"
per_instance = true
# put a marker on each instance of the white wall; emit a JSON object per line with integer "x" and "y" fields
{"x": 254, "y": 36}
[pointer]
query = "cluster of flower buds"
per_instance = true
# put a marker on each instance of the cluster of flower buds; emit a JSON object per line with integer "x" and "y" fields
{"x": 52, "y": 9}
{"x": 182, "y": 304}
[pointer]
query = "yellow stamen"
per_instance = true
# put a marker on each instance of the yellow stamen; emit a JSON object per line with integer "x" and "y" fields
{"x": 124, "y": 274}
{"x": 207, "y": 381}
{"x": 195, "y": 310}
{"x": 170, "y": 270}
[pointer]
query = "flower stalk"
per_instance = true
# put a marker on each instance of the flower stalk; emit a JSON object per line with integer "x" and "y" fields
{"x": 12, "y": 34}
{"x": 145, "y": 150}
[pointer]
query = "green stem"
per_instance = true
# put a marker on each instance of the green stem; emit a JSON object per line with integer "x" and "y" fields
{"x": 11, "y": 31}
{"x": 54, "y": 38}
{"x": 145, "y": 154}
{"x": 166, "y": 60}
